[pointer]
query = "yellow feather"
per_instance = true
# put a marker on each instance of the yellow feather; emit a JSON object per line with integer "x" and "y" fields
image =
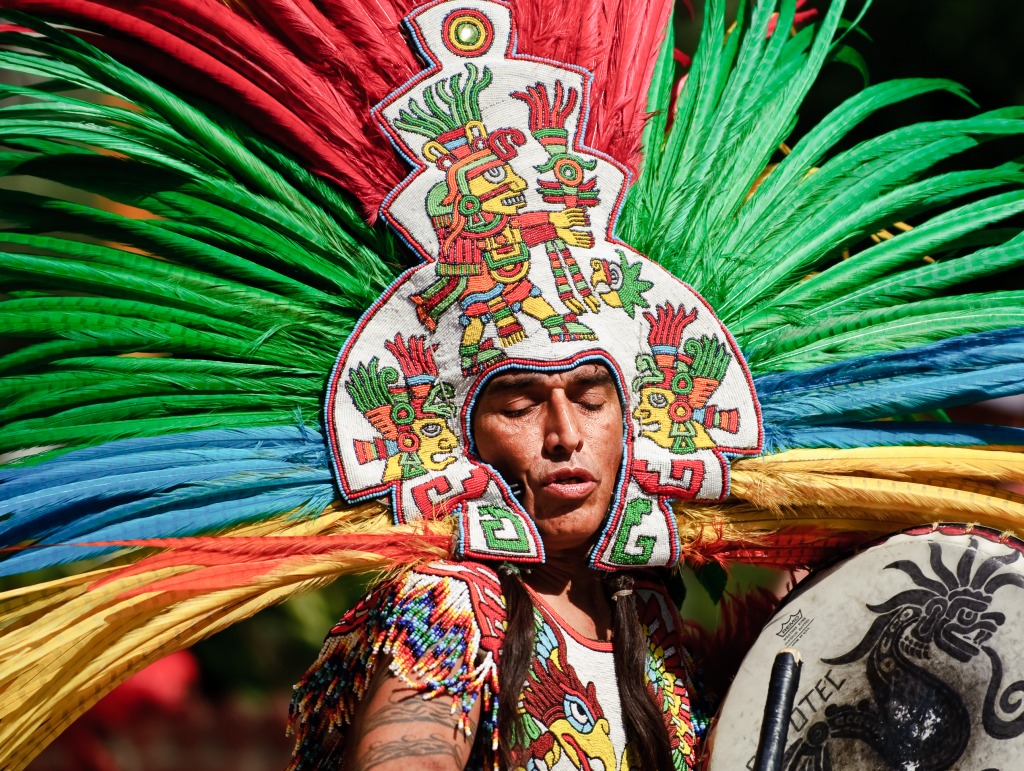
{"x": 894, "y": 462}
{"x": 863, "y": 492}
{"x": 68, "y": 642}
{"x": 775, "y": 493}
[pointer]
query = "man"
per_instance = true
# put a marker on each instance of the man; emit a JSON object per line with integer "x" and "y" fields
{"x": 541, "y": 643}
{"x": 557, "y": 438}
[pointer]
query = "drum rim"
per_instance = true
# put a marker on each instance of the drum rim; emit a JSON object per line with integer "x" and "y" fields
{"x": 990, "y": 534}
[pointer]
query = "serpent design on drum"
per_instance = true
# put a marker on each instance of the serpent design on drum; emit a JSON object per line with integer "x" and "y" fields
{"x": 914, "y": 719}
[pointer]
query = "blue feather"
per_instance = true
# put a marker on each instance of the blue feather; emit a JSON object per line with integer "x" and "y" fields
{"x": 961, "y": 370}
{"x": 174, "y": 485}
{"x": 307, "y": 499}
{"x": 248, "y": 439}
{"x": 43, "y": 509}
{"x": 875, "y": 399}
{"x": 25, "y": 480}
{"x": 954, "y": 354}
{"x": 221, "y": 489}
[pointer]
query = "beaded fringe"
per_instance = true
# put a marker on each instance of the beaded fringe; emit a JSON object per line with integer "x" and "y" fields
{"x": 425, "y": 624}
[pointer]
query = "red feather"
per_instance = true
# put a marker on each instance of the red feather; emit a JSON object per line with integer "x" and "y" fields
{"x": 228, "y": 562}
{"x": 618, "y": 43}
{"x": 316, "y": 107}
{"x": 795, "y": 548}
{"x": 306, "y": 73}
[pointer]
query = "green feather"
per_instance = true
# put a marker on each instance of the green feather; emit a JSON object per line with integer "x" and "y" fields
{"x": 800, "y": 334}
{"x": 764, "y": 243}
{"x": 168, "y": 366}
{"x": 99, "y": 269}
{"x": 151, "y": 236}
{"x": 91, "y": 434}
{"x": 835, "y": 289}
{"x": 810, "y": 151}
{"x": 905, "y": 332}
{"x": 128, "y": 309}
{"x": 160, "y": 406}
{"x": 114, "y": 335}
{"x": 850, "y": 215}
{"x": 54, "y": 396}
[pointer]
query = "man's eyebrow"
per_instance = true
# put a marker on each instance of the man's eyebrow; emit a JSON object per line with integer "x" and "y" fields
{"x": 599, "y": 376}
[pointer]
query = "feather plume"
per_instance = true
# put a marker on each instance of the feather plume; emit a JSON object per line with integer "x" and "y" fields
{"x": 76, "y": 639}
{"x": 762, "y": 239}
{"x": 960, "y": 370}
{"x": 305, "y": 75}
{"x": 177, "y": 485}
{"x": 801, "y": 508}
{"x": 895, "y": 463}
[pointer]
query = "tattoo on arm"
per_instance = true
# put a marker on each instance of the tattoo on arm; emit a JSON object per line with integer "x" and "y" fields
{"x": 409, "y": 747}
{"x": 397, "y": 729}
{"x": 412, "y": 709}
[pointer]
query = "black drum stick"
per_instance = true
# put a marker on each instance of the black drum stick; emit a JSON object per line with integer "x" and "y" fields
{"x": 775, "y": 726}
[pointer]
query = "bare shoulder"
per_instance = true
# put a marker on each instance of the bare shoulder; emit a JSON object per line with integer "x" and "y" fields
{"x": 394, "y": 726}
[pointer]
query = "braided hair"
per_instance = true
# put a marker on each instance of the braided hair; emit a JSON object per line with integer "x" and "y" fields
{"x": 646, "y": 729}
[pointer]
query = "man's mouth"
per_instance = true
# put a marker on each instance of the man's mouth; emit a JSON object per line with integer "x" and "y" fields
{"x": 514, "y": 200}
{"x": 570, "y": 483}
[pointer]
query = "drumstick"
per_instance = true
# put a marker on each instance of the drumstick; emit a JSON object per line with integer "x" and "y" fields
{"x": 775, "y": 725}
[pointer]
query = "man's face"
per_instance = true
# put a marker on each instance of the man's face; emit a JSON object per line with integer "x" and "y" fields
{"x": 560, "y": 436}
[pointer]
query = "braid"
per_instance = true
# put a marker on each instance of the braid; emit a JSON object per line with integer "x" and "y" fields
{"x": 645, "y": 725}
{"x": 516, "y": 655}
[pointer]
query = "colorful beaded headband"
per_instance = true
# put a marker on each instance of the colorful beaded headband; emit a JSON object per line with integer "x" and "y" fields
{"x": 515, "y": 220}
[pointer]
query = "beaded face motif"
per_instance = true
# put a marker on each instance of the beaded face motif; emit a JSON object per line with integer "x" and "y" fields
{"x": 514, "y": 218}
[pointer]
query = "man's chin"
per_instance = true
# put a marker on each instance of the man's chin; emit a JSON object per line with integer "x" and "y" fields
{"x": 565, "y": 527}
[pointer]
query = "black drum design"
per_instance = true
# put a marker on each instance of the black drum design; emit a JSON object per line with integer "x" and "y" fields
{"x": 912, "y": 660}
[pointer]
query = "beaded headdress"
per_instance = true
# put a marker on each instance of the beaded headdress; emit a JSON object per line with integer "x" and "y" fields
{"x": 515, "y": 221}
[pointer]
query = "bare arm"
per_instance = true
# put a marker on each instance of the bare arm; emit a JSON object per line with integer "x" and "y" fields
{"x": 396, "y": 729}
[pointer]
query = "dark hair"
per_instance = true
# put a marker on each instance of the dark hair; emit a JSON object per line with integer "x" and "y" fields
{"x": 516, "y": 656}
{"x": 645, "y": 725}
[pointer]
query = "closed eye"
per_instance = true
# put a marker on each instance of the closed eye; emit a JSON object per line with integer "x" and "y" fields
{"x": 513, "y": 411}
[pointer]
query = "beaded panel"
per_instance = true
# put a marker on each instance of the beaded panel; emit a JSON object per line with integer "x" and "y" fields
{"x": 441, "y": 625}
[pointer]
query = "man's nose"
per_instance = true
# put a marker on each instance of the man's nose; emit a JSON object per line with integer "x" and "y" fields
{"x": 562, "y": 433}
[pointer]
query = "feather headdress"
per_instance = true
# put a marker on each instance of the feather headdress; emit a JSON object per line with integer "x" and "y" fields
{"x": 195, "y": 249}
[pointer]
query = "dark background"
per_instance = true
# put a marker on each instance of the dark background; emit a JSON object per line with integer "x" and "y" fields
{"x": 979, "y": 43}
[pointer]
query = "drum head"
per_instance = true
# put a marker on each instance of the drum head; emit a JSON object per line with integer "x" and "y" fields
{"x": 911, "y": 660}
